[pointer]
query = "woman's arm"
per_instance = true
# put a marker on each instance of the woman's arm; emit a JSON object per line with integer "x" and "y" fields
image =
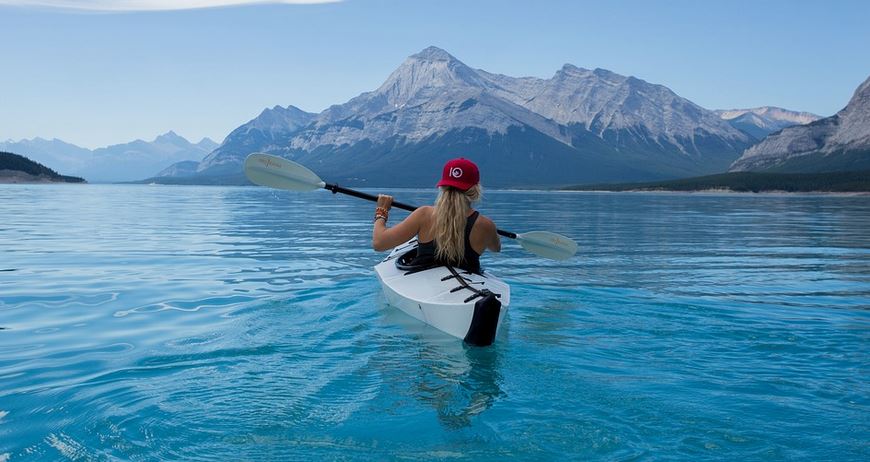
{"x": 384, "y": 238}
{"x": 494, "y": 241}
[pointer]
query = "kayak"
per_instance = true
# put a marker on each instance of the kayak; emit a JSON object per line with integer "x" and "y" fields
{"x": 465, "y": 305}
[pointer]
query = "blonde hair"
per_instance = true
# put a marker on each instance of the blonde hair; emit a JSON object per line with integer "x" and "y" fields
{"x": 451, "y": 210}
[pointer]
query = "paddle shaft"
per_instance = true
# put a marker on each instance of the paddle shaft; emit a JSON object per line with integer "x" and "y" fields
{"x": 369, "y": 197}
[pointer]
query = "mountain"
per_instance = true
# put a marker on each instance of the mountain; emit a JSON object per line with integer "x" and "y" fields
{"x": 762, "y": 121}
{"x": 270, "y": 130}
{"x": 207, "y": 144}
{"x": 645, "y": 123}
{"x": 15, "y": 168}
{"x": 577, "y": 126}
{"x": 183, "y": 169}
{"x": 140, "y": 159}
{"x": 837, "y": 143}
{"x": 121, "y": 162}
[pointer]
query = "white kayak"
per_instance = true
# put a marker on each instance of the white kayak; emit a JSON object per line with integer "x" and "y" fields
{"x": 471, "y": 308}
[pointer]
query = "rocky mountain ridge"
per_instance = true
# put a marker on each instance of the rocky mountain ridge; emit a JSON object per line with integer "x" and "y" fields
{"x": 579, "y": 125}
{"x": 836, "y": 143}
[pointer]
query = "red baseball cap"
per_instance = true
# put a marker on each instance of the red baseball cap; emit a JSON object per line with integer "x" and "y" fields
{"x": 460, "y": 173}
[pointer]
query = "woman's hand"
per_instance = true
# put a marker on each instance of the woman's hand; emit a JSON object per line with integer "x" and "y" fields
{"x": 385, "y": 201}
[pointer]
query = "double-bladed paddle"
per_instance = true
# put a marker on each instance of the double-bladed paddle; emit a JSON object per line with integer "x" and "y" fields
{"x": 278, "y": 172}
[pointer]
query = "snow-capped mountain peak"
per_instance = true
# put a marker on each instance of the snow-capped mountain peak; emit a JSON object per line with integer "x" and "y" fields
{"x": 433, "y": 53}
{"x": 424, "y": 73}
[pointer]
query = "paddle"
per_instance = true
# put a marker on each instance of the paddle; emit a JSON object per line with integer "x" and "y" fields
{"x": 277, "y": 172}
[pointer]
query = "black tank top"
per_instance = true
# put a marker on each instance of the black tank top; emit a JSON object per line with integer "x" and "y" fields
{"x": 470, "y": 260}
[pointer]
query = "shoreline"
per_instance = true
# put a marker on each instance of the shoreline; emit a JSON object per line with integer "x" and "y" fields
{"x": 709, "y": 191}
{"x": 716, "y": 191}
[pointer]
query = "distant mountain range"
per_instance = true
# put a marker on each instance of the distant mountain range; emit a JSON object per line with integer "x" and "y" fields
{"x": 837, "y": 143}
{"x": 762, "y": 121}
{"x": 578, "y": 126}
{"x": 121, "y": 162}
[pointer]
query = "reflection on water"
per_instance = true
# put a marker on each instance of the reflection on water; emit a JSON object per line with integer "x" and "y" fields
{"x": 196, "y": 323}
{"x": 458, "y": 381}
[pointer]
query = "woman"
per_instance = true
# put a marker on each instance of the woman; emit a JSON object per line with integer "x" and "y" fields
{"x": 451, "y": 232}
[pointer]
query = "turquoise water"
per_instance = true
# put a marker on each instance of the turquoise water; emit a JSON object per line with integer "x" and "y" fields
{"x": 203, "y": 323}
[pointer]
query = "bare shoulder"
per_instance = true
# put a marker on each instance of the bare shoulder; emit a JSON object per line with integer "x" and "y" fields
{"x": 486, "y": 224}
{"x": 424, "y": 212}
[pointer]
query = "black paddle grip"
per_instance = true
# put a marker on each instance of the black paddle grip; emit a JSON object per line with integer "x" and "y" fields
{"x": 350, "y": 192}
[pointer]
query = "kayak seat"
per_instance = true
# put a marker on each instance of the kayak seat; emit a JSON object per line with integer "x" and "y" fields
{"x": 409, "y": 262}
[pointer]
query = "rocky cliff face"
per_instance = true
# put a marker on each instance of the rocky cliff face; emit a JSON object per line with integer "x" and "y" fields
{"x": 272, "y": 129}
{"x": 601, "y": 101}
{"x": 839, "y": 142}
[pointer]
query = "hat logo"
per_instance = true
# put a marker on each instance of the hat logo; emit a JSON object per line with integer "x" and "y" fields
{"x": 456, "y": 172}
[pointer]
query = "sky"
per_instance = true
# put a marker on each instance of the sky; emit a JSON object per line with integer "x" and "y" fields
{"x": 102, "y": 72}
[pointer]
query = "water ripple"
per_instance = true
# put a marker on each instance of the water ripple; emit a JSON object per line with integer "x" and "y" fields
{"x": 197, "y": 323}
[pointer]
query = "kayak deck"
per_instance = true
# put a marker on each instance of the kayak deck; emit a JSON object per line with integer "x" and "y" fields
{"x": 436, "y": 296}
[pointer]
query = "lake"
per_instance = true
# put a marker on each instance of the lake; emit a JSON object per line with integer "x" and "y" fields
{"x": 203, "y": 323}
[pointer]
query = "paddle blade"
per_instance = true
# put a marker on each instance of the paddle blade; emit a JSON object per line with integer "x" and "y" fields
{"x": 277, "y": 172}
{"x": 548, "y": 245}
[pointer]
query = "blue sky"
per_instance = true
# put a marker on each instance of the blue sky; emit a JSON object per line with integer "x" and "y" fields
{"x": 95, "y": 78}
